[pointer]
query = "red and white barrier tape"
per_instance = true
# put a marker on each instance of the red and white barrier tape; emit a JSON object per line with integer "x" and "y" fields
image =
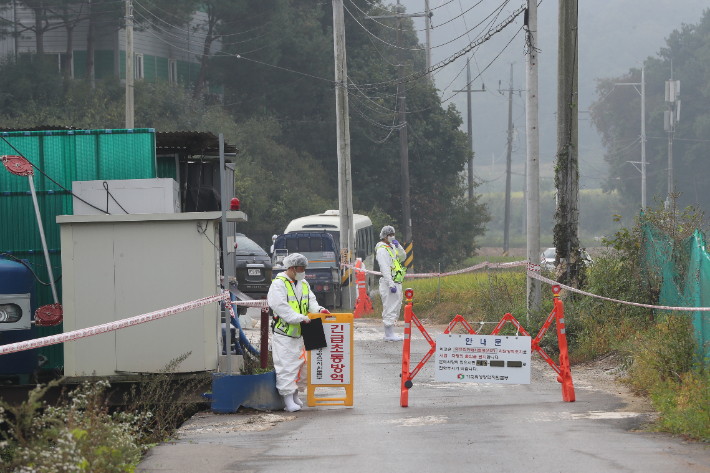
{"x": 129, "y": 322}
{"x": 512, "y": 264}
{"x": 636, "y": 304}
{"x": 533, "y": 270}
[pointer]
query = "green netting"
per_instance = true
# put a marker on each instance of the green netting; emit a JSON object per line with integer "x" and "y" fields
{"x": 66, "y": 156}
{"x": 684, "y": 272}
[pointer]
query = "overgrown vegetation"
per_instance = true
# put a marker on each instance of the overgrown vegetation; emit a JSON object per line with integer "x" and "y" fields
{"x": 659, "y": 350}
{"x": 83, "y": 432}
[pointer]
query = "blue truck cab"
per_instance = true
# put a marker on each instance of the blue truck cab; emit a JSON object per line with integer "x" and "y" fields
{"x": 323, "y": 271}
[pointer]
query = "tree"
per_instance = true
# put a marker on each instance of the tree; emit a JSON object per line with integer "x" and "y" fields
{"x": 305, "y": 106}
{"x": 616, "y": 117}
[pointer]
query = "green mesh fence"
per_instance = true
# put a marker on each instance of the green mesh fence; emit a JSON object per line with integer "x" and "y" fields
{"x": 683, "y": 271}
{"x": 66, "y": 156}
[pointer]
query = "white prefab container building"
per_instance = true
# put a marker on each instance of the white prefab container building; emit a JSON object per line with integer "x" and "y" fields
{"x": 120, "y": 266}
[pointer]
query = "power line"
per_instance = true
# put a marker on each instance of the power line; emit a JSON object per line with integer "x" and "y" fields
{"x": 197, "y": 33}
{"x": 55, "y": 182}
{"x": 496, "y": 11}
{"x": 416, "y": 75}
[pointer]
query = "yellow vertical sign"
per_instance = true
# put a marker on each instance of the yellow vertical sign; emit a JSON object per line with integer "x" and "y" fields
{"x": 409, "y": 260}
{"x": 332, "y": 366}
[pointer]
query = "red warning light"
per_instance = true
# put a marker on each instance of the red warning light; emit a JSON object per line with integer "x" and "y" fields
{"x": 556, "y": 289}
{"x": 234, "y": 205}
{"x": 409, "y": 293}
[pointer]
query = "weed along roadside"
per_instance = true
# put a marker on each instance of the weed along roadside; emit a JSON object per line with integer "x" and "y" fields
{"x": 92, "y": 427}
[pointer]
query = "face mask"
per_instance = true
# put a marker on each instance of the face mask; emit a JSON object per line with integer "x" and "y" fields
{"x": 389, "y": 239}
{"x": 300, "y": 276}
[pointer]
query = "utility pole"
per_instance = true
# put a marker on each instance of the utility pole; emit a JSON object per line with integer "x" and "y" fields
{"x": 468, "y": 91}
{"x": 508, "y": 163}
{"x": 403, "y": 145}
{"x": 345, "y": 189}
{"x": 642, "y": 92}
{"x": 670, "y": 118}
{"x": 402, "y": 107}
{"x": 129, "y": 64}
{"x": 427, "y": 21}
{"x": 532, "y": 161}
{"x": 566, "y": 235}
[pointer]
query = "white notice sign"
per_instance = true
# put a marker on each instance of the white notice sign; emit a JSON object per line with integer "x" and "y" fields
{"x": 331, "y": 365}
{"x": 482, "y": 359}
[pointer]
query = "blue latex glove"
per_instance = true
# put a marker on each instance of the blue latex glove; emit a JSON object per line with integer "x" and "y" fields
{"x": 393, "y": 289}
{"x": 395, "y": 242}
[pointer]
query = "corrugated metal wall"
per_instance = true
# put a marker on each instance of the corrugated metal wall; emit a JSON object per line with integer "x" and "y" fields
{"x": 66, "y": 156}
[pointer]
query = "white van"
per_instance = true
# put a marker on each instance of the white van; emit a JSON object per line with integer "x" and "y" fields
{"x": 329, "y": 222}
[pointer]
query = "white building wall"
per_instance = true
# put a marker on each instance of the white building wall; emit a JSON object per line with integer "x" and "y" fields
{"x": 161, "y": 40}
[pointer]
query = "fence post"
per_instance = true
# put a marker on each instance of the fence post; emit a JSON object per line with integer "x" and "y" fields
{"x": 439, "y": 283}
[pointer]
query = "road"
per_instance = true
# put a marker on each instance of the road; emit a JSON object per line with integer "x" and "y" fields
{"x": 447, "y": 427}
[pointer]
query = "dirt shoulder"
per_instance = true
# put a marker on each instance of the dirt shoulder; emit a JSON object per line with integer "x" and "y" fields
{"x": 603, "y": 374}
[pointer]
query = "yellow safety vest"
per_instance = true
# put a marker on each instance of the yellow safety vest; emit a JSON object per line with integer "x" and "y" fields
{"x": 292, "y": 330}
{"x": 397, "y": 270}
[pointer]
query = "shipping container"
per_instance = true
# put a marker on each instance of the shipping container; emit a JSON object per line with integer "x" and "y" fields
{"x": 65, "y": 156}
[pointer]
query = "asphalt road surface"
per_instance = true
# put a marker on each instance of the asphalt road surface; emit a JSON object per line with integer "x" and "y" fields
{"x": 447, "y": 427}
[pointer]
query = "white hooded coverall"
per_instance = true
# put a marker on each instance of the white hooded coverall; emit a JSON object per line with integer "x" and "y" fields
{"x": 288, "y": 352}
{"x": 391, "y": 301}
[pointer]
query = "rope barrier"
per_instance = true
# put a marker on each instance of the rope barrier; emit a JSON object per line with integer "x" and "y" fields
{"x": 512, "y": 264}
{"x": 129, "y": 322}
{"x": 636, "y": 304}
{"x": 533, "y": 271}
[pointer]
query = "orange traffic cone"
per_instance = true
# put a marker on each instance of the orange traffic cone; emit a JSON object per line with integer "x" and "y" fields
{"x": 363, "y": 305}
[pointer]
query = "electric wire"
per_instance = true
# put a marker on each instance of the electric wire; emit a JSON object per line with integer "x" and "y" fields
{"x": 215, "y": 37}
{"x": 179, "y": 28}
{"x": 416, "y": 75}
{"x": 496, "y": 11}
{"x": 8, "y": 255}
{"x": 47, "y": 176}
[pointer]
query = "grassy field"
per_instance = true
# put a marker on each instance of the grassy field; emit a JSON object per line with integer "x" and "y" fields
{"x": 480, "y": 296}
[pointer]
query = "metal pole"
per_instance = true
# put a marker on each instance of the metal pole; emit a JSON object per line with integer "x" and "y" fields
{"x": 470, "y": 128}
{"x": 532, "y": 164}
{"x": 225, "y": 252}
{"x": 468, "y": 91}
{"x": 129, "y": 64}
{"x": 403, "y": 148}
{"x": 427, "y": 22}
{"x": 44, "y": 241}
{"x": 439, "y": 283}
{"x": 264, "y": 347}
{"x": 670, "y": 152}
{"x": 508, "y": 163}
{"x": 345, "y": 192}
{"x": 643, "y": 136}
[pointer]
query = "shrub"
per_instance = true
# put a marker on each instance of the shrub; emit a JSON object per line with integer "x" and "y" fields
{"x": 80, "y": 435}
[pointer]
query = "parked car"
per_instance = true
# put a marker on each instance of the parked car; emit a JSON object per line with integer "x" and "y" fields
{"x": 547, "y": 259}
{"x": 253, "y": 268}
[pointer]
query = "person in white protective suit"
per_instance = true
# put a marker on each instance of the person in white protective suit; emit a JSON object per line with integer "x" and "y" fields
{"x": 273, "y": 243}
{"x": 390, "y": 256}
{"x": 291, "y": 299}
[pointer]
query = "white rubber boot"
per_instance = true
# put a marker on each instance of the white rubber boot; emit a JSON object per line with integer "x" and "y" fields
{"x": 296, "y": 399}
{"x": 390, "y": 335}
{"x": 290, "y": 405}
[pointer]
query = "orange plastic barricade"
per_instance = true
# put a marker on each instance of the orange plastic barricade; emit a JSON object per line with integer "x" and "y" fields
{"x": 332, "y": 366}
{"x": 363, "y": 305}
{"x": 564, "y": 374}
